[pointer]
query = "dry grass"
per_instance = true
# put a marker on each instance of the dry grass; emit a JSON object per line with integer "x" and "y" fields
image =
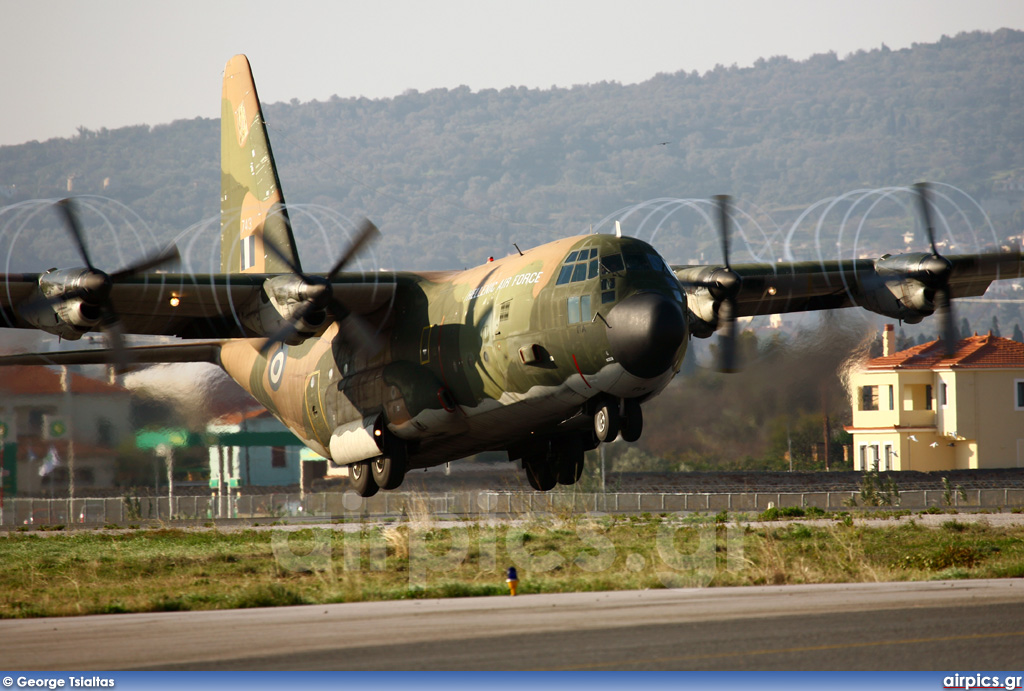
{"x": 159, "y": 570}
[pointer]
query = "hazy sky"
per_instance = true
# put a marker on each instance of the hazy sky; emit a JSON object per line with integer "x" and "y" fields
{"x": 111, "y": 63}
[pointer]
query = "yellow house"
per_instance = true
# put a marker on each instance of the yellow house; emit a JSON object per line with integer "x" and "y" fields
{"x": 919, "y": 409}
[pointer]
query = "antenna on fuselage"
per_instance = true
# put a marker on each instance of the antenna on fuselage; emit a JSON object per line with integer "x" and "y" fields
{"x": 618, "y": 230}
{"x": 517, "y": 249}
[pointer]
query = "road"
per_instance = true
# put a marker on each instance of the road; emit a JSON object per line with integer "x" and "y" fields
{"x": 968, "y": 625}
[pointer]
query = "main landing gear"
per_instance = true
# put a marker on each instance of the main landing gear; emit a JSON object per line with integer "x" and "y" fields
{"x": 559, "y": 460}
{"x": 384, "y": 472}
{"x": 555, "y": 461}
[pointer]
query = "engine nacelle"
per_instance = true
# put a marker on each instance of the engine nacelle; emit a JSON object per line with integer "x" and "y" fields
{"x": 903, "y": 286}
{"x": 281, "y": 301}
{"x": 906, "y": 299}
{"x": 68, "y": 318}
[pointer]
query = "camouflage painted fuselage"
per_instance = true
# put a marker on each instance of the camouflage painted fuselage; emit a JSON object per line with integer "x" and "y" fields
{"x": 473, "y": 360}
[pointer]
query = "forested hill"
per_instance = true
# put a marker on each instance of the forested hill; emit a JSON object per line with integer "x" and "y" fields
{"x": 452, "y": 176}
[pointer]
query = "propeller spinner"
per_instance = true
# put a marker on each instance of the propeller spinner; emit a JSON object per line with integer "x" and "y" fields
{"x": 95, "y": 285}
{"x": 320, "y": 301}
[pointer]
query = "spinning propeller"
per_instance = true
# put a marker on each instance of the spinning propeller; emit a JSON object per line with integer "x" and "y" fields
{"x": 94, "y": 286}
{"x": 724, "y": 286}
{"x": 319, "y": 298}
{"x": 937, "y": 270}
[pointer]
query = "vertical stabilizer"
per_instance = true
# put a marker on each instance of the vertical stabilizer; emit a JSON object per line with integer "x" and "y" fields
{"x": 251, "y": 201}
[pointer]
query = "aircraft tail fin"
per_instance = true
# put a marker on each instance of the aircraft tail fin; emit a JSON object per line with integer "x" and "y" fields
{"x": 251, "y": 202}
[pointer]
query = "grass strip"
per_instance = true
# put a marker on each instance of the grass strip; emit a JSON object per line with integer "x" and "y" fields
{"x": 151, "y": 570}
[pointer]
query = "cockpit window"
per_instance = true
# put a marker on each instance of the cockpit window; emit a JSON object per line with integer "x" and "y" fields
{"x": 578, "y": 266}
{"x": 612, "y": 264}
{"x": 656, "y": 261}
{"x": 637, "y": 262}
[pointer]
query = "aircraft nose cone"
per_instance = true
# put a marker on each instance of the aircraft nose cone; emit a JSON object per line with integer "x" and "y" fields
{"x": 645, "y": 332}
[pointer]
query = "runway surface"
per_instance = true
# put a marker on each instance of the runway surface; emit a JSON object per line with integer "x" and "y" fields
{"x": 967, "y": 625}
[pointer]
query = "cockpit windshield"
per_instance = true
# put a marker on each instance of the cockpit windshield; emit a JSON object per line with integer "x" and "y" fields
{"x": 584, "y": 264}
{"x": 579, "y": 266}
{"x": 612, "y": 264}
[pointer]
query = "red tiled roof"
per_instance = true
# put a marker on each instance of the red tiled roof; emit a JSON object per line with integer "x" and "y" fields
{"x": 236, "y": 418}
{"x": 974, "y": 352}
{"x": 23, "y": 381}
{"x": 35, "y": 447}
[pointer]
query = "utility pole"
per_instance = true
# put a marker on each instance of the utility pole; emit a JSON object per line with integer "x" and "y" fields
{"x": 824, "y": 410}
{"x": 65, "y": 387}
{"x": 602, "y": 468}
{"x": 167, "y": 451}
{"x": 3, "y": 438}
{"x": 789, "y": 445}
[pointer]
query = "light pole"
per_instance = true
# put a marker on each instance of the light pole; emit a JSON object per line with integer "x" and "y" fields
{"x": 167, "y": 452}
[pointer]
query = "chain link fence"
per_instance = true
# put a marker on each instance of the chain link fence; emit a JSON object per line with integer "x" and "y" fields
{"x": 126, "y": 511}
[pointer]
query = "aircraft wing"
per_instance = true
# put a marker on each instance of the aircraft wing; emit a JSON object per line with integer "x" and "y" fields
{"x": 206, "y": 351}
{"x": 897, "y": 286}
{"x": 183, "y": 305}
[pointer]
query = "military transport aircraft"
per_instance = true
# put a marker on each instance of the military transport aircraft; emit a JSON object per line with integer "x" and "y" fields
{"x": 545, "y": 353}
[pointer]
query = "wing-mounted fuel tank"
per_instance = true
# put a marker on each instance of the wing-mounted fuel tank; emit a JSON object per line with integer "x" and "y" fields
{"x": 401, "y": 398}
{"x": 69, "y": 317}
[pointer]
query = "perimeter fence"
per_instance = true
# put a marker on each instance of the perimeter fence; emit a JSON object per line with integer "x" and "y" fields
{"x": 125, "y": 511}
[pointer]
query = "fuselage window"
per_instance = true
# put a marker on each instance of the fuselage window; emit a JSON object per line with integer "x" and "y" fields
{"x": 584, "y": 308}
{"x": 607, "y": 290}
{"x": 578, "y": 309}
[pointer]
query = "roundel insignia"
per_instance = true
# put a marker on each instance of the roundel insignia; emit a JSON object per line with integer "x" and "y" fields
{"x": 3, "y": 430}
{"x": 275, "y": 368}
{"x": 57, "y": 429}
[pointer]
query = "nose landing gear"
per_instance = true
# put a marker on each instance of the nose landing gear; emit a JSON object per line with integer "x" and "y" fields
{"x": 618, "y": 416}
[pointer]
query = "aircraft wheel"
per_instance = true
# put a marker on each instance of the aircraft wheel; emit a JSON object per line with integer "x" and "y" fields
{"x": 389, "y": 469}
{"x": 540, "y": 474}
{"x": 360, "y": 479}
{"x": 606, "y": 421}
{"x": 569, "y": 459}
{"x": 632, "y": 421}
